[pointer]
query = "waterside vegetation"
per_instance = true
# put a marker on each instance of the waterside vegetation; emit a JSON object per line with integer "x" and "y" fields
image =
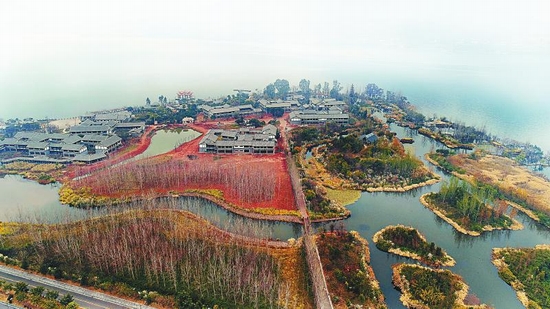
{"x": 426, "y": 288}
{"x": 527, "y": 270}
{"x": 407, "y": 241}
{"x": 346, "y": 263}
{"x": 466, "y": 207}
{"x": 235, "y": 272}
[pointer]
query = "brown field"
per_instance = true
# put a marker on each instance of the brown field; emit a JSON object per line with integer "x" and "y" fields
{"x": 507, "y": 175}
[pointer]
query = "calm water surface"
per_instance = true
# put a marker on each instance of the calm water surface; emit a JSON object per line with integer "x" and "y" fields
{"x": 374, "y": 211}
{"x": 164, "y": 141}
{"x": 371, "y": 213}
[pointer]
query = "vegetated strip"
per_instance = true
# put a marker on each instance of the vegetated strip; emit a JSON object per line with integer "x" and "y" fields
{"x": 425, "y": 288}
{"x": 175, "y": 241}
{"x": 416, "y": 239}
{"x": 346, "y": 263}
{"x": 526, "y": 271}
{"x": 440, "y": 213}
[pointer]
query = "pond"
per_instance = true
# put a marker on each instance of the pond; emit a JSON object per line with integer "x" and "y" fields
{"x": 167, "y": 140}
{"x": 374, "y": 211}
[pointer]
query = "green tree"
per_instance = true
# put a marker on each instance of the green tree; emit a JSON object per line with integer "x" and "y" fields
{"x": 66, "y": 299}
{"x": 283, "y": 88}
{"x": 21, "y": 287}
{"x": 326, "y": 89}
{"x": 72, "y": 305}
{"x": 37, "y": 291}
{"x": 317, "y": 89}
{"x": 50, "y": 294}
{"x": 335, "y": 91}
{"x": 269, "y": 91}
{"x": 352, "y": 95}
{"x": 304, "y": 87}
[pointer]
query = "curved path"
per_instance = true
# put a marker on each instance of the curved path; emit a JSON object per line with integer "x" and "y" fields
{"x": 85, "y": 298}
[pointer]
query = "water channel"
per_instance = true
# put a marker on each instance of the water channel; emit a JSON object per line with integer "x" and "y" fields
{"x": 370, "y": 213}
{"x": 374, "y": 211}
{"x": 16, "y": 204}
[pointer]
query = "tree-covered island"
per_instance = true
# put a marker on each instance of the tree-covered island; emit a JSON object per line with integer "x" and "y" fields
{"x": 426, "y": 288}
{"x": 527, "y": 271}
{"x": 467, "y": 208}
{"x": 407, "y": 241}
{"x": 363, "y": 157}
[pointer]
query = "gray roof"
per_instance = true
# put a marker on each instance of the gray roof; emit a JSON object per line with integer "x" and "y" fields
{"x": 110, "y": 141}
{"x": 37, "y": 145}
{"x": 94, "y": 138}
{"x": 90, "y": 128}
{"x": 73, "y": 147}
{"x": 9, "y": 141}
{"x": 86, "y": 157}
{"x": 72, "y": 139}
{"x": 269, "y": 129}
{"x": 128, "y": 125}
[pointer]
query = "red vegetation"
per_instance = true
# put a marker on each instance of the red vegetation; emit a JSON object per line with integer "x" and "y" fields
{"x": 247, "y": 181}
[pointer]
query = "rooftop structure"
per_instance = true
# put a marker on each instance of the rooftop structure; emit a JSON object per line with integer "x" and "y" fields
{"x": 230, "y": 111}
{"x": 244, "y": 140}
{"x": 315, "y": 117}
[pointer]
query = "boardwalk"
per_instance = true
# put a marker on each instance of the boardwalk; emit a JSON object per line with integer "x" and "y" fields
{"x": 320, "y": 290}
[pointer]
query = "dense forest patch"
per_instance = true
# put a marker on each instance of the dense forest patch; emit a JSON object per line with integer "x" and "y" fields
{"x": 468, "y": 207}
{"x": 527, "y": 270}
{"x": 407, "y": 241}
{"x": 346, "y": 264}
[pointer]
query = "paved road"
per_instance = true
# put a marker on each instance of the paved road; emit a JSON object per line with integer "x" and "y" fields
{"x": 85, "y": 298}
{"x": 8, "y": 306}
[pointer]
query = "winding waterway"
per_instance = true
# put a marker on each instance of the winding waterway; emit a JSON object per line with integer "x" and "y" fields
{"x": 24, "y": 200}
{"x": 374, "y": 211}
{"x": 370, "y": 213}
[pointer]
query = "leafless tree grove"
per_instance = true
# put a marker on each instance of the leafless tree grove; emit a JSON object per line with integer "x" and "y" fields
{"x": 250, "y": 182}
{"x": 164, "y": 250}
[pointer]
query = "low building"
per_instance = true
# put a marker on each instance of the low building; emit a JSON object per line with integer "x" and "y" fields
{"x": 109, "y": 144}
{"x": 71, "y": 150}
{"x": 245, "y": 140}
{"x": 316, "y": 117}
{"x": 83, "y": 129}
{"x": 230, "y": 111}
{"x": 370, "y": 138}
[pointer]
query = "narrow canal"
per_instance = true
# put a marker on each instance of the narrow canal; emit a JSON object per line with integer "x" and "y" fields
{"x": 374, "y": 211}
{"x": 370, "y": 213}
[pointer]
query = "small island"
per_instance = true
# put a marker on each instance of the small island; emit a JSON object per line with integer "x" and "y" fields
{"x": 346, "y": 263}
{"x": 408, "y": 242}
{"x": 526, "y": 271}
{"x": 351, "y": 159}
{"x": 466, "y": 208}
{"x": 425, "y": 288}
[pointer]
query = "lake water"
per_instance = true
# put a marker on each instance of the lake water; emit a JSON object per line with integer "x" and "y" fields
{"x": 370, "y": 213}
{"x": 374, "y": 211}
{"x": 165, "y": 140}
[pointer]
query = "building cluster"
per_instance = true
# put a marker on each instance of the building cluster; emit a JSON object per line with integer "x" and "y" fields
{"x": 226, "y": 111}
{"x": 245, "y": 140}
{"x": 318, "y": 111}
{"x": 90, "y": 141}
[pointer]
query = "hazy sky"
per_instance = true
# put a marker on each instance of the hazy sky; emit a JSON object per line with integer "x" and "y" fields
{"x": 65, "y": 57}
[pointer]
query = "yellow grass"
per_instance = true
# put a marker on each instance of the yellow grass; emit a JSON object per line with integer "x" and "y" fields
{"x": 343, "y": 197}
{"x": 508, "y": 176}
